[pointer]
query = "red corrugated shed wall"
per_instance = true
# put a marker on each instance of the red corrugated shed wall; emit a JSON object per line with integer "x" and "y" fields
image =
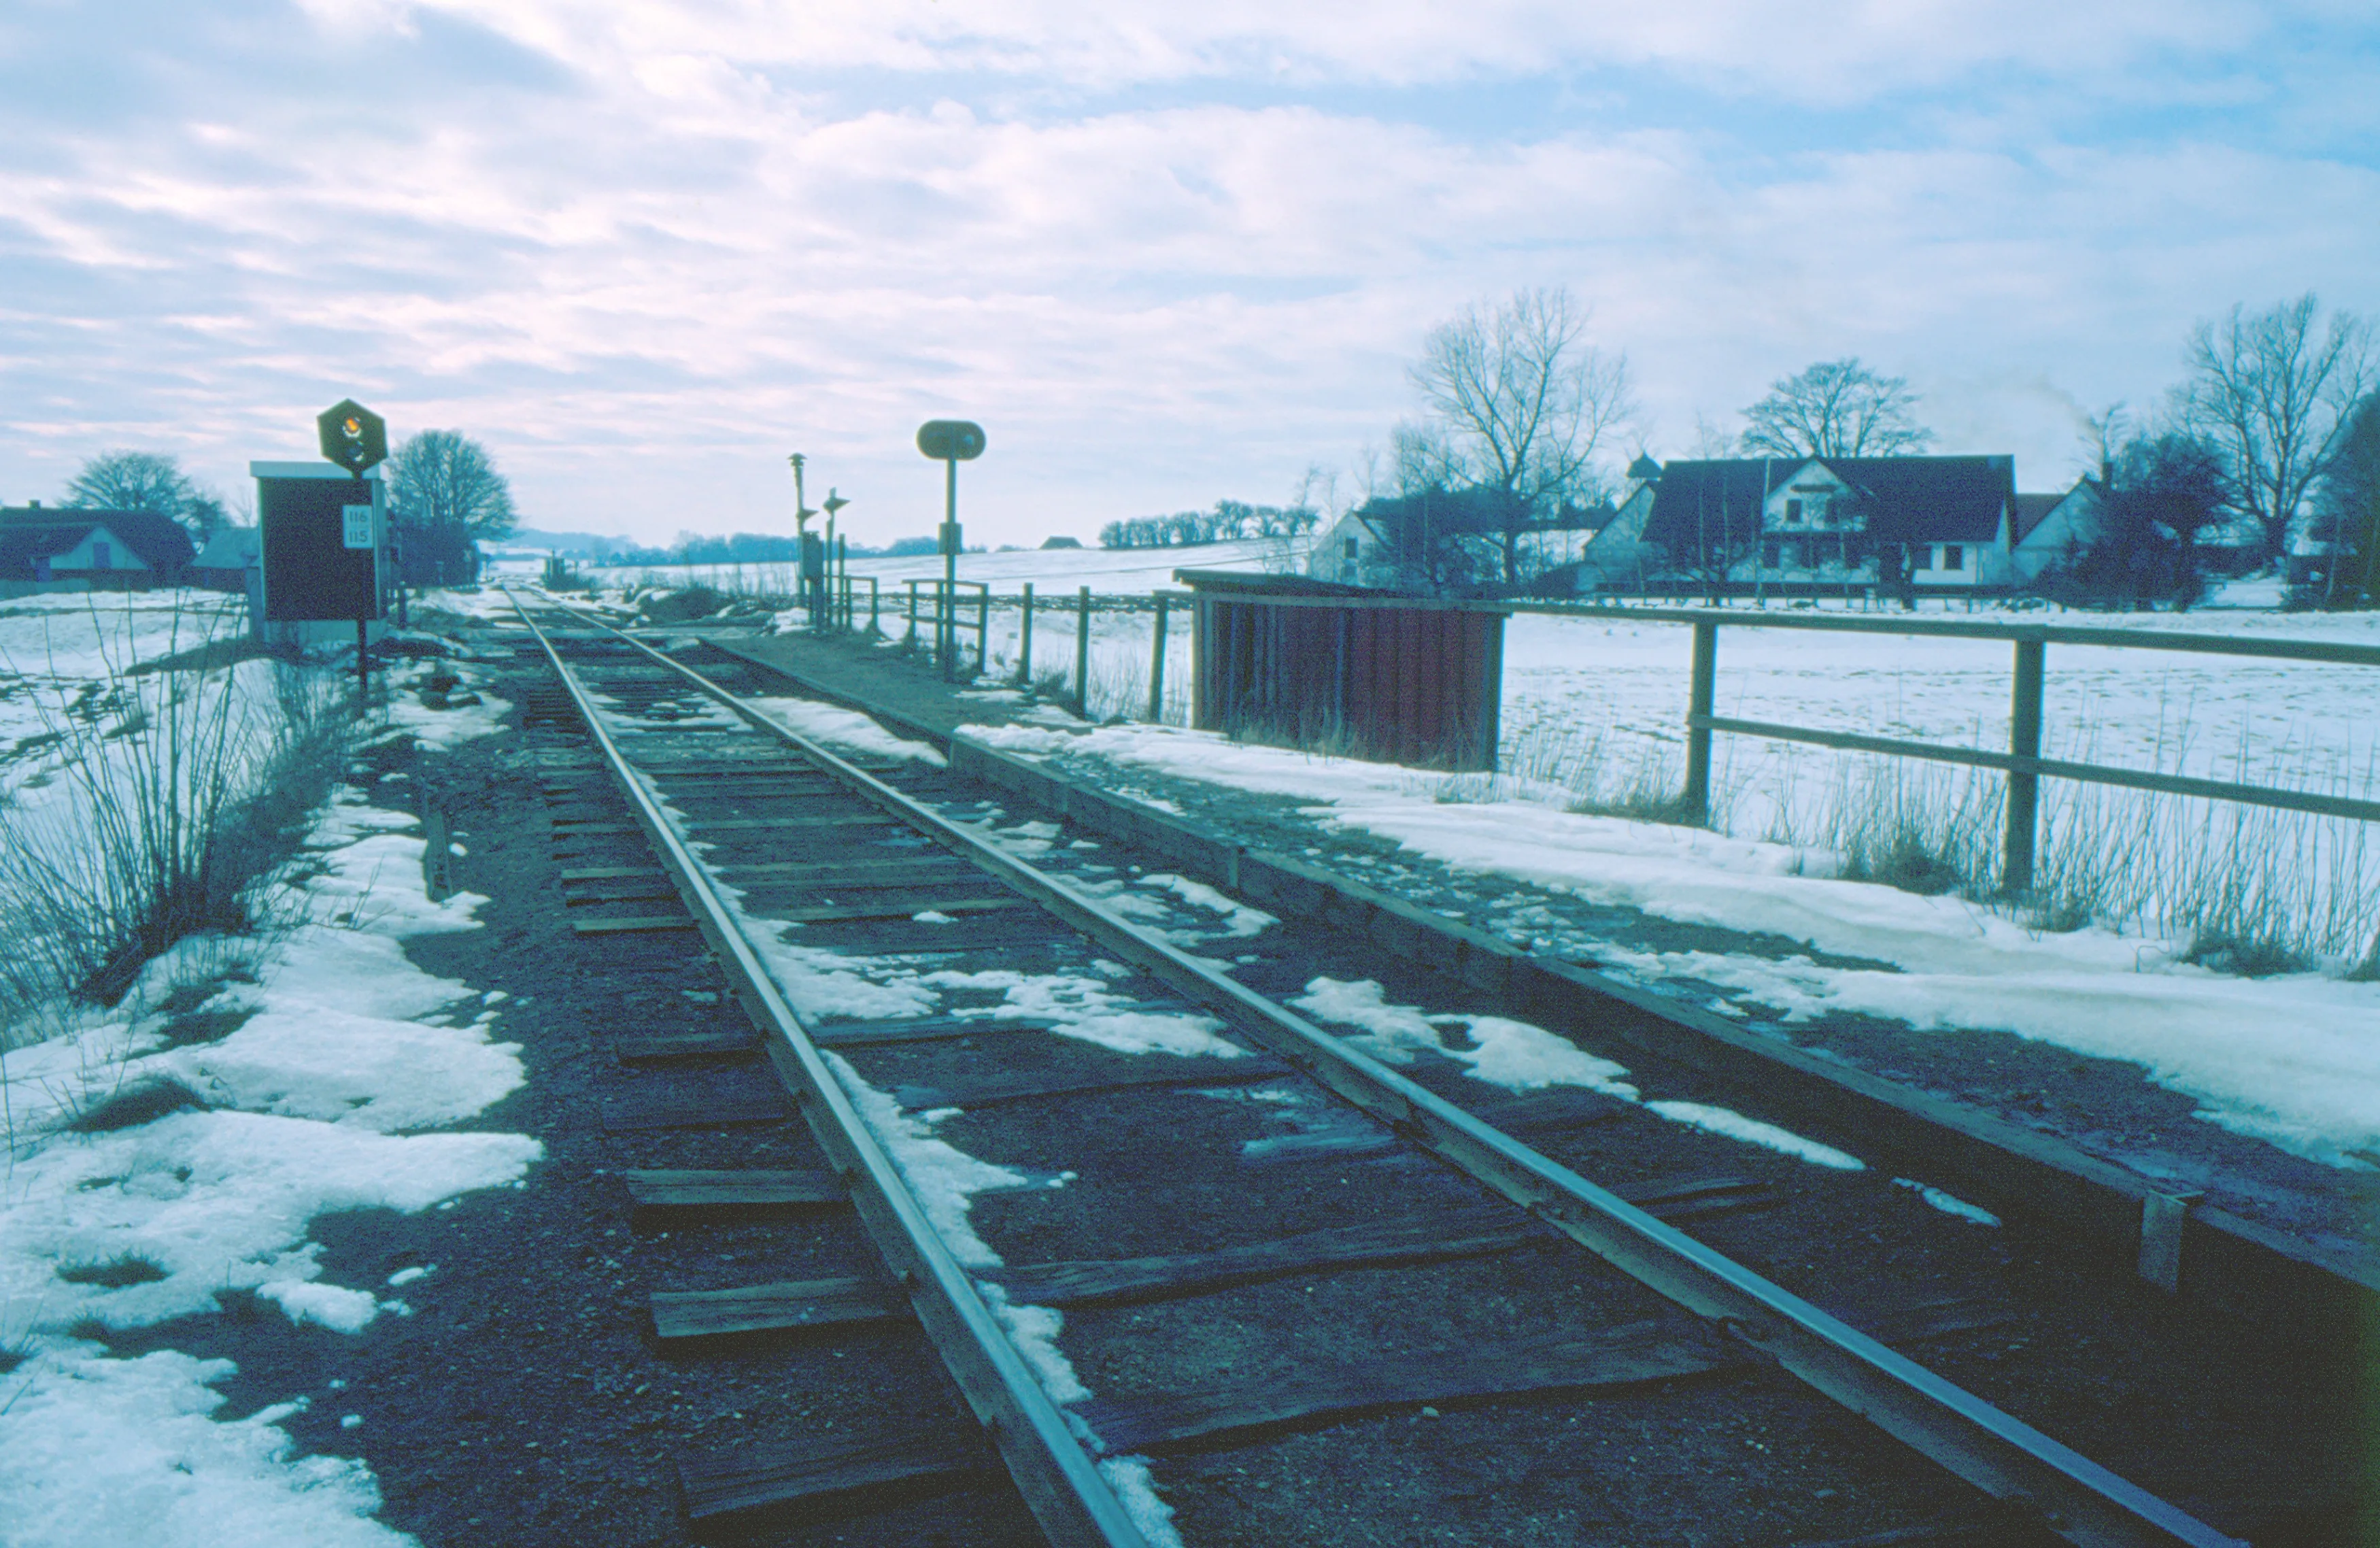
{"x": 1414, "y": 684}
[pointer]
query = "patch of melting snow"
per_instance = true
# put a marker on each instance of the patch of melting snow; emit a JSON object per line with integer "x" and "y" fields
{"x": 846, "y": 729}
{"x": 1949, "y": 1203}
{"x": 300, "y": 1109}
{"x": 1733, "y": 1125}
{"x": 1521, "y": 1057}
{"x": 1502, "y": 1052}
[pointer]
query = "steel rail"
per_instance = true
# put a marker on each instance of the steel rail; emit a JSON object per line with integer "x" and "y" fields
{"x": 2061, "y": 1490}
{"x": 1061, "y": 1487}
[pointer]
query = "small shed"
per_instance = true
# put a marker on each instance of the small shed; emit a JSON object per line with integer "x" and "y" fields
{"x": 1373, "y": 674}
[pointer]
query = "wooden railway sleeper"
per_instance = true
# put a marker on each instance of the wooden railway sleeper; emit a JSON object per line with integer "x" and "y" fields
{"x": 2005, "y": 1458}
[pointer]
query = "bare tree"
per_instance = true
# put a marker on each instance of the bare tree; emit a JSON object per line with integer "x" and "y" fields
{"x": 146, "y": 481}
{"x": 1522, "y": 404}
{"x": 2273, "y": 391}
{"x": 443, "y": 478}
{"x": 2346, "y": 512}
{"x": 1836, "y": 409}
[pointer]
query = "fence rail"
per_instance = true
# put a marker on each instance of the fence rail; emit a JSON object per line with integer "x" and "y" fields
{"x": 2022, "y": 763}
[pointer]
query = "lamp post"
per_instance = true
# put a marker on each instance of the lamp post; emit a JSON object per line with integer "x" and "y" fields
{"x": 802, "y": 514}
{"x": 834, "y": 561}
{"x": 950, "y": 442}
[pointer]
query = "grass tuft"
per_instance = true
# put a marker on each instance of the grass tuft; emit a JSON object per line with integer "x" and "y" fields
{"x": 142, "y": 1102}
{"x": 156, "y": 828}
{"x": 115, "y": 1273}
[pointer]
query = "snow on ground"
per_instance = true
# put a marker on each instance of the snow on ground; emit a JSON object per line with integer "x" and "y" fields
{"x": 1521, "y": 1057}
{"x": 317, "y": 1102}
{"x": 2289, "y": 1059}
{"x": 845, "y": 729}
{"x": 2239, "y": 718}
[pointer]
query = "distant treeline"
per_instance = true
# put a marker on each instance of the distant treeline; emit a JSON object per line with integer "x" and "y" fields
{"x": 1228, "y": 520}
{"x": 752, "y": 548}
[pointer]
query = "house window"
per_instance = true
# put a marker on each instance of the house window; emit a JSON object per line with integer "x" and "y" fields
{"x": 1792, "y": 510}
{"x": 1768, "y": 553}
{"x": 1953, "y": 556}
{"x": 1351, "y": 548}
{"x": 1923, "y": 558}
{"x": 100, "y": 557}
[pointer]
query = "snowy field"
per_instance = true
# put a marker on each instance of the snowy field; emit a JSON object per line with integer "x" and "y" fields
{"x": 125, "y": 1204}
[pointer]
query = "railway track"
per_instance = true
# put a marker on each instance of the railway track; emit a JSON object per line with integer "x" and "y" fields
{"x": 1278, "y": 1248}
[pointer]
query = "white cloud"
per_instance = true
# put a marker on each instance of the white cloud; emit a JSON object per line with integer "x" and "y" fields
{"x": 644, "y": 256}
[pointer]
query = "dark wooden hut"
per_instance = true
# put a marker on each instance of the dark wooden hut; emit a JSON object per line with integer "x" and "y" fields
{"x": 1352, "y": 669}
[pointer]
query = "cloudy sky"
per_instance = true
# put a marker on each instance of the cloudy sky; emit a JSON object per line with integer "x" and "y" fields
{"x": 1163, "y": 252}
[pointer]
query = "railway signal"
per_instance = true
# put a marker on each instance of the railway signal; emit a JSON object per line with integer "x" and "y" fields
{"x": 951, "y": 442}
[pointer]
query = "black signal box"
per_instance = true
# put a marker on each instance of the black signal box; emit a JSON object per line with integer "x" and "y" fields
{"x": 321, "y": 533}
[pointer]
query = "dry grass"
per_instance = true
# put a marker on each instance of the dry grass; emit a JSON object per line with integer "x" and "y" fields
{"x": 156, "y": 827}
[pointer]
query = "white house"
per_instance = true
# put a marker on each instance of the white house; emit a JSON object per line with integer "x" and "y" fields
{"x": 1350, "y": 552}
{"x": 2068, "y": 524}
{"x": 1937, "y": 524}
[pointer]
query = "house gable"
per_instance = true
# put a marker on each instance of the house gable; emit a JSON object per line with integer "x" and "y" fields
{"x": 138, "y": 540}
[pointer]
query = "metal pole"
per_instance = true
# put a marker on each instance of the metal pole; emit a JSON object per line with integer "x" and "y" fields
{"x": 363, "y": 667}
{"x": 1082, "y": 655}
{"x": 983, "y": 631}
{"x": 873, "y": 593}
{"x": 841, "y": 580}
{"x": 1157, "y": 666}
{"x": 1700, "y": 693}
{"x": 911, "y": 639}
{"x": 1025, "y": 642}
{"x": 2024, "y": 789}
{"x": 951, "y": 565}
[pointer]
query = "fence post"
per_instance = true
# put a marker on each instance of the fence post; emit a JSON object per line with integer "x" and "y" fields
{"x": 1157, "y": 668}
{"x": 1083, "y": 654}
{"x": 983, "y": 631}
{"x": 1702, "y": 685}
{"x": 1025, "y": 642}
{"x": 909, "y": 640}
{"x": 2023, "y": 788}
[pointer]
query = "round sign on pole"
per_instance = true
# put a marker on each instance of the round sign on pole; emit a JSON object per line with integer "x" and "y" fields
{"x": 951, "y": 440}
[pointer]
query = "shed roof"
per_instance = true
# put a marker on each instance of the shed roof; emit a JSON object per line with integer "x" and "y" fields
{"x": 2030, "y": 511}
{"x": 160, "y": 541}
{"x": 22, "y": 542}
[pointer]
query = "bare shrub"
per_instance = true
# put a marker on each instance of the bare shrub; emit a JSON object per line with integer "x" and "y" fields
{"x": 155, "y": 829}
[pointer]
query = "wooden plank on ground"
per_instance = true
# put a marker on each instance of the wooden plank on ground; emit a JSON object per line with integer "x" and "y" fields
{"x": 752, "y": 1190}
{"x": 1471, "y": 1234}
{"x": 1533, "y": 1362}
{"x": 835, "y": 1478}
{"x": 1531, "y": 1112}
{"x": 811, "y": 873}
{"x": 936, "y": 1028}
{"x": 656, "y": 1047}
{"x": 995, "y": 1089}
{"x": 589, "y": 894}
{"x": 782, "y": 1308}
{"x": 635, "y": 924}
{"x": 612, "y": 873}
{"x": 1467, "y": 1234}
{"x": 901, "y": 906}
